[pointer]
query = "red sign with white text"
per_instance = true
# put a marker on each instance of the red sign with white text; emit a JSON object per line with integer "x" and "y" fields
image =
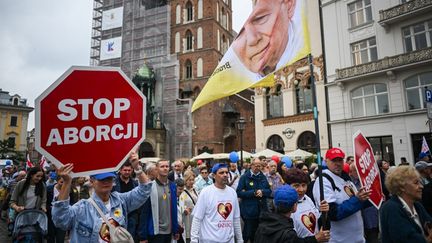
{"x": 91, "y": 117}
{"x": 367, "y": 169}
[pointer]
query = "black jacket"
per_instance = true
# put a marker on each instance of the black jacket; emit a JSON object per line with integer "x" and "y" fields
{"x": 276, "y": 228}
{"x": 398, "y": 226}
{"x": 171, "y": 175}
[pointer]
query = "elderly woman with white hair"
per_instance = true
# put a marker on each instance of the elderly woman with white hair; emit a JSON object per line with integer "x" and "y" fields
{"x": 403, "y": 217}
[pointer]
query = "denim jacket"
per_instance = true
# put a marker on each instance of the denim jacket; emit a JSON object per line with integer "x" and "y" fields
{"x": 83, "y": 220}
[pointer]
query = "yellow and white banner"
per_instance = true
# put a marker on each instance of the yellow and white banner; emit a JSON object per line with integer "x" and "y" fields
{"x": 275, "y": 35}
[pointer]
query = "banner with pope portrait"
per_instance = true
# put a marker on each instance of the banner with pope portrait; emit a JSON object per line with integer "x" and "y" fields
{"x": 275, "y": 35}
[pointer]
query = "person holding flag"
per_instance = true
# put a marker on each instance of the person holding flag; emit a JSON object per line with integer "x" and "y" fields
{"x": 344, "y": 200}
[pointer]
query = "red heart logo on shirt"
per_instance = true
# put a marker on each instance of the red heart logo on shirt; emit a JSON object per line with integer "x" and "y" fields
{"x": 309, "y": 221}
{"x": 349, "y": 191}
{"x": 224, "y": 209}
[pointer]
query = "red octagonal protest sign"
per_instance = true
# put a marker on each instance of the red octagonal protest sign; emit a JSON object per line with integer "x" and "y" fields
{"x": 367, "y": 169}
{"x": 91, "y": 117}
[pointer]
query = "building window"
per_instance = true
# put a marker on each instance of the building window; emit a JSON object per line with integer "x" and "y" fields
{"x": 177, "y": 42}
{"x": 200, "y": 38}
{"x": 224, "y": 42}
{"x": 417, "y": 36}
{"x": 274, "y": 102}
{"x": 360, "y": 12}
{"x": 178, "y": 14}
{"x": 11, "y": 142}
{"x": 276, "y": 143}
{"x": 188, "y": 69}
{"x": 370, "y": 100}
{"x": 307, "y": 141}
{"x": 415, "y": 88}
{"x": 382, "y": 147}
{"x": 13, "y": 121}
{"x": 189, "y": 11}
{"x": 303, "y": 99}
{"x": 188, "y": 40}
{"x": 15, "y": 101}
{"x": 364, "y": 51}
{"x": 200, "y": 9}
{"x": 200, "y": 67}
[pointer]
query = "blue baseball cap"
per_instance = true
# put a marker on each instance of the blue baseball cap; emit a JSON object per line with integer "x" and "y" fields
{"x": 285, "y": 196}
{"x": 216, "y": 167}
{"x": 422, "y": 155}
{"x": 103, "y": 176}
{"x": 53, "y": 175}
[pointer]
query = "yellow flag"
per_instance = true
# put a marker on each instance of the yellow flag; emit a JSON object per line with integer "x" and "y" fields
{"x": 275, "y": 35}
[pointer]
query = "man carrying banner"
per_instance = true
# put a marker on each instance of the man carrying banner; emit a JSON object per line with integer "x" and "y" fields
{"x": 344, "y": 199}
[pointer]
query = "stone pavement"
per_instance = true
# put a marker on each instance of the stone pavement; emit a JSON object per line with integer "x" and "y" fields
{"x": 4, "y": 233}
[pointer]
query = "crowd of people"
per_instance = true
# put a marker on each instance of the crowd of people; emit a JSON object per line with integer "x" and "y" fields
{"x": 268, "y": 200}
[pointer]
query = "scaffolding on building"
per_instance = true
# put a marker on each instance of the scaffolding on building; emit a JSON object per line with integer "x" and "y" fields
{"x": 145, "y": 32}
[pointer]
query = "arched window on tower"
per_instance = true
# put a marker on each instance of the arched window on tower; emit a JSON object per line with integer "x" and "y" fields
{"x": 189, "y": 11}
{"x": 188, "y": 40}
{"x": 200, "y": 67}
{"x": 224, "y": 44}
{"x": 188, "y": 69}
{"x": 199, "y": 38}
{"x": 178, "y": 14}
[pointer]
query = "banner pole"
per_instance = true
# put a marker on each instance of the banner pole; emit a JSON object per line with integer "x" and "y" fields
{"x": 317, "y": 134}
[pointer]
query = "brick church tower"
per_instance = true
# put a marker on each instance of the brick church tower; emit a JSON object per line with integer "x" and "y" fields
{"x": 201, "y": 32}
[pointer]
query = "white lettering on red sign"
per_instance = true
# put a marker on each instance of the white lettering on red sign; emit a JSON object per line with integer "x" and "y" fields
{"x": 365, "y": 161}
{"x": 70, "y": 112}
{"x": 101, "y": 109}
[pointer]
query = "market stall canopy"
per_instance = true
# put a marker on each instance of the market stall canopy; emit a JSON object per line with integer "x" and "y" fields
{"x": 299, "y": 154}
{"x": 268, "y": 153}
{"x": 204, "y": 155}
{"x": 246, "y": 155}
{"x": 220, "y": 156}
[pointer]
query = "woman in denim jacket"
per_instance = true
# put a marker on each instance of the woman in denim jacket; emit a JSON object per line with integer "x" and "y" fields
{"x": 82, "y": 219}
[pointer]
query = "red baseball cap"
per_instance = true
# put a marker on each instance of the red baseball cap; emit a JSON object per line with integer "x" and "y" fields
{"x": 334, "y": 153}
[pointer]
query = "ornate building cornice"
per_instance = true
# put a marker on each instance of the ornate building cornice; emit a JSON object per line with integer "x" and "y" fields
{"x": 299, "y": 71}
{"x": 385, "y": 64}
{"x": 392, "y": 14}
{"x": 288, "y": 119}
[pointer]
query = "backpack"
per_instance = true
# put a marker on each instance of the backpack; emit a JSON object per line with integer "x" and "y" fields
{"x": 117, "y": 234}
{"x": 330, "y": 179}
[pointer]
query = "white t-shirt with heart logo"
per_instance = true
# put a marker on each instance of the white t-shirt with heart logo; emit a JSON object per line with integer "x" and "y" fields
{"x": 306, "y": 218}
{"x": 216, "y": 209}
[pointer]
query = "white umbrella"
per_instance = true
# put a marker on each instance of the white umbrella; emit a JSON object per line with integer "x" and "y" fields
{"x": 299, "y": 154}
{"x": 221, "y": 156}
{"x": 246, "y": 155}
{"x": 268, "y": 153}
{"x": 204, "y": 155}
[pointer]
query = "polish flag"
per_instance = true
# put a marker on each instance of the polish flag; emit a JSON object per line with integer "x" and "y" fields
{"x": 29, "y": 164}
{"x": 43, "y": 163}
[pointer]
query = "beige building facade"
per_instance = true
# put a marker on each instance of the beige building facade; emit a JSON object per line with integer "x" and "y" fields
{"x": 284, "y": 113}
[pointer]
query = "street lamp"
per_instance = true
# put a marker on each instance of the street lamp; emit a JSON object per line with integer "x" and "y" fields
{"x": 241, "y": 127}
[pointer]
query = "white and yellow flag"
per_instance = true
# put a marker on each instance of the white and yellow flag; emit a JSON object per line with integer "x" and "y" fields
{"x": 275, "y": 35}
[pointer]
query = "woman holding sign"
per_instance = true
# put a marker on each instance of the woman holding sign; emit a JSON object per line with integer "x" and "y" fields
{"x": 403, "y": 217}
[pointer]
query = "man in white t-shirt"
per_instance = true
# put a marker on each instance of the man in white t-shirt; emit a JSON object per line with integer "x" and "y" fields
{"x": 234, "y": 175}
{"x": 344, "y": 200}
{"x": 216, "y": 216}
